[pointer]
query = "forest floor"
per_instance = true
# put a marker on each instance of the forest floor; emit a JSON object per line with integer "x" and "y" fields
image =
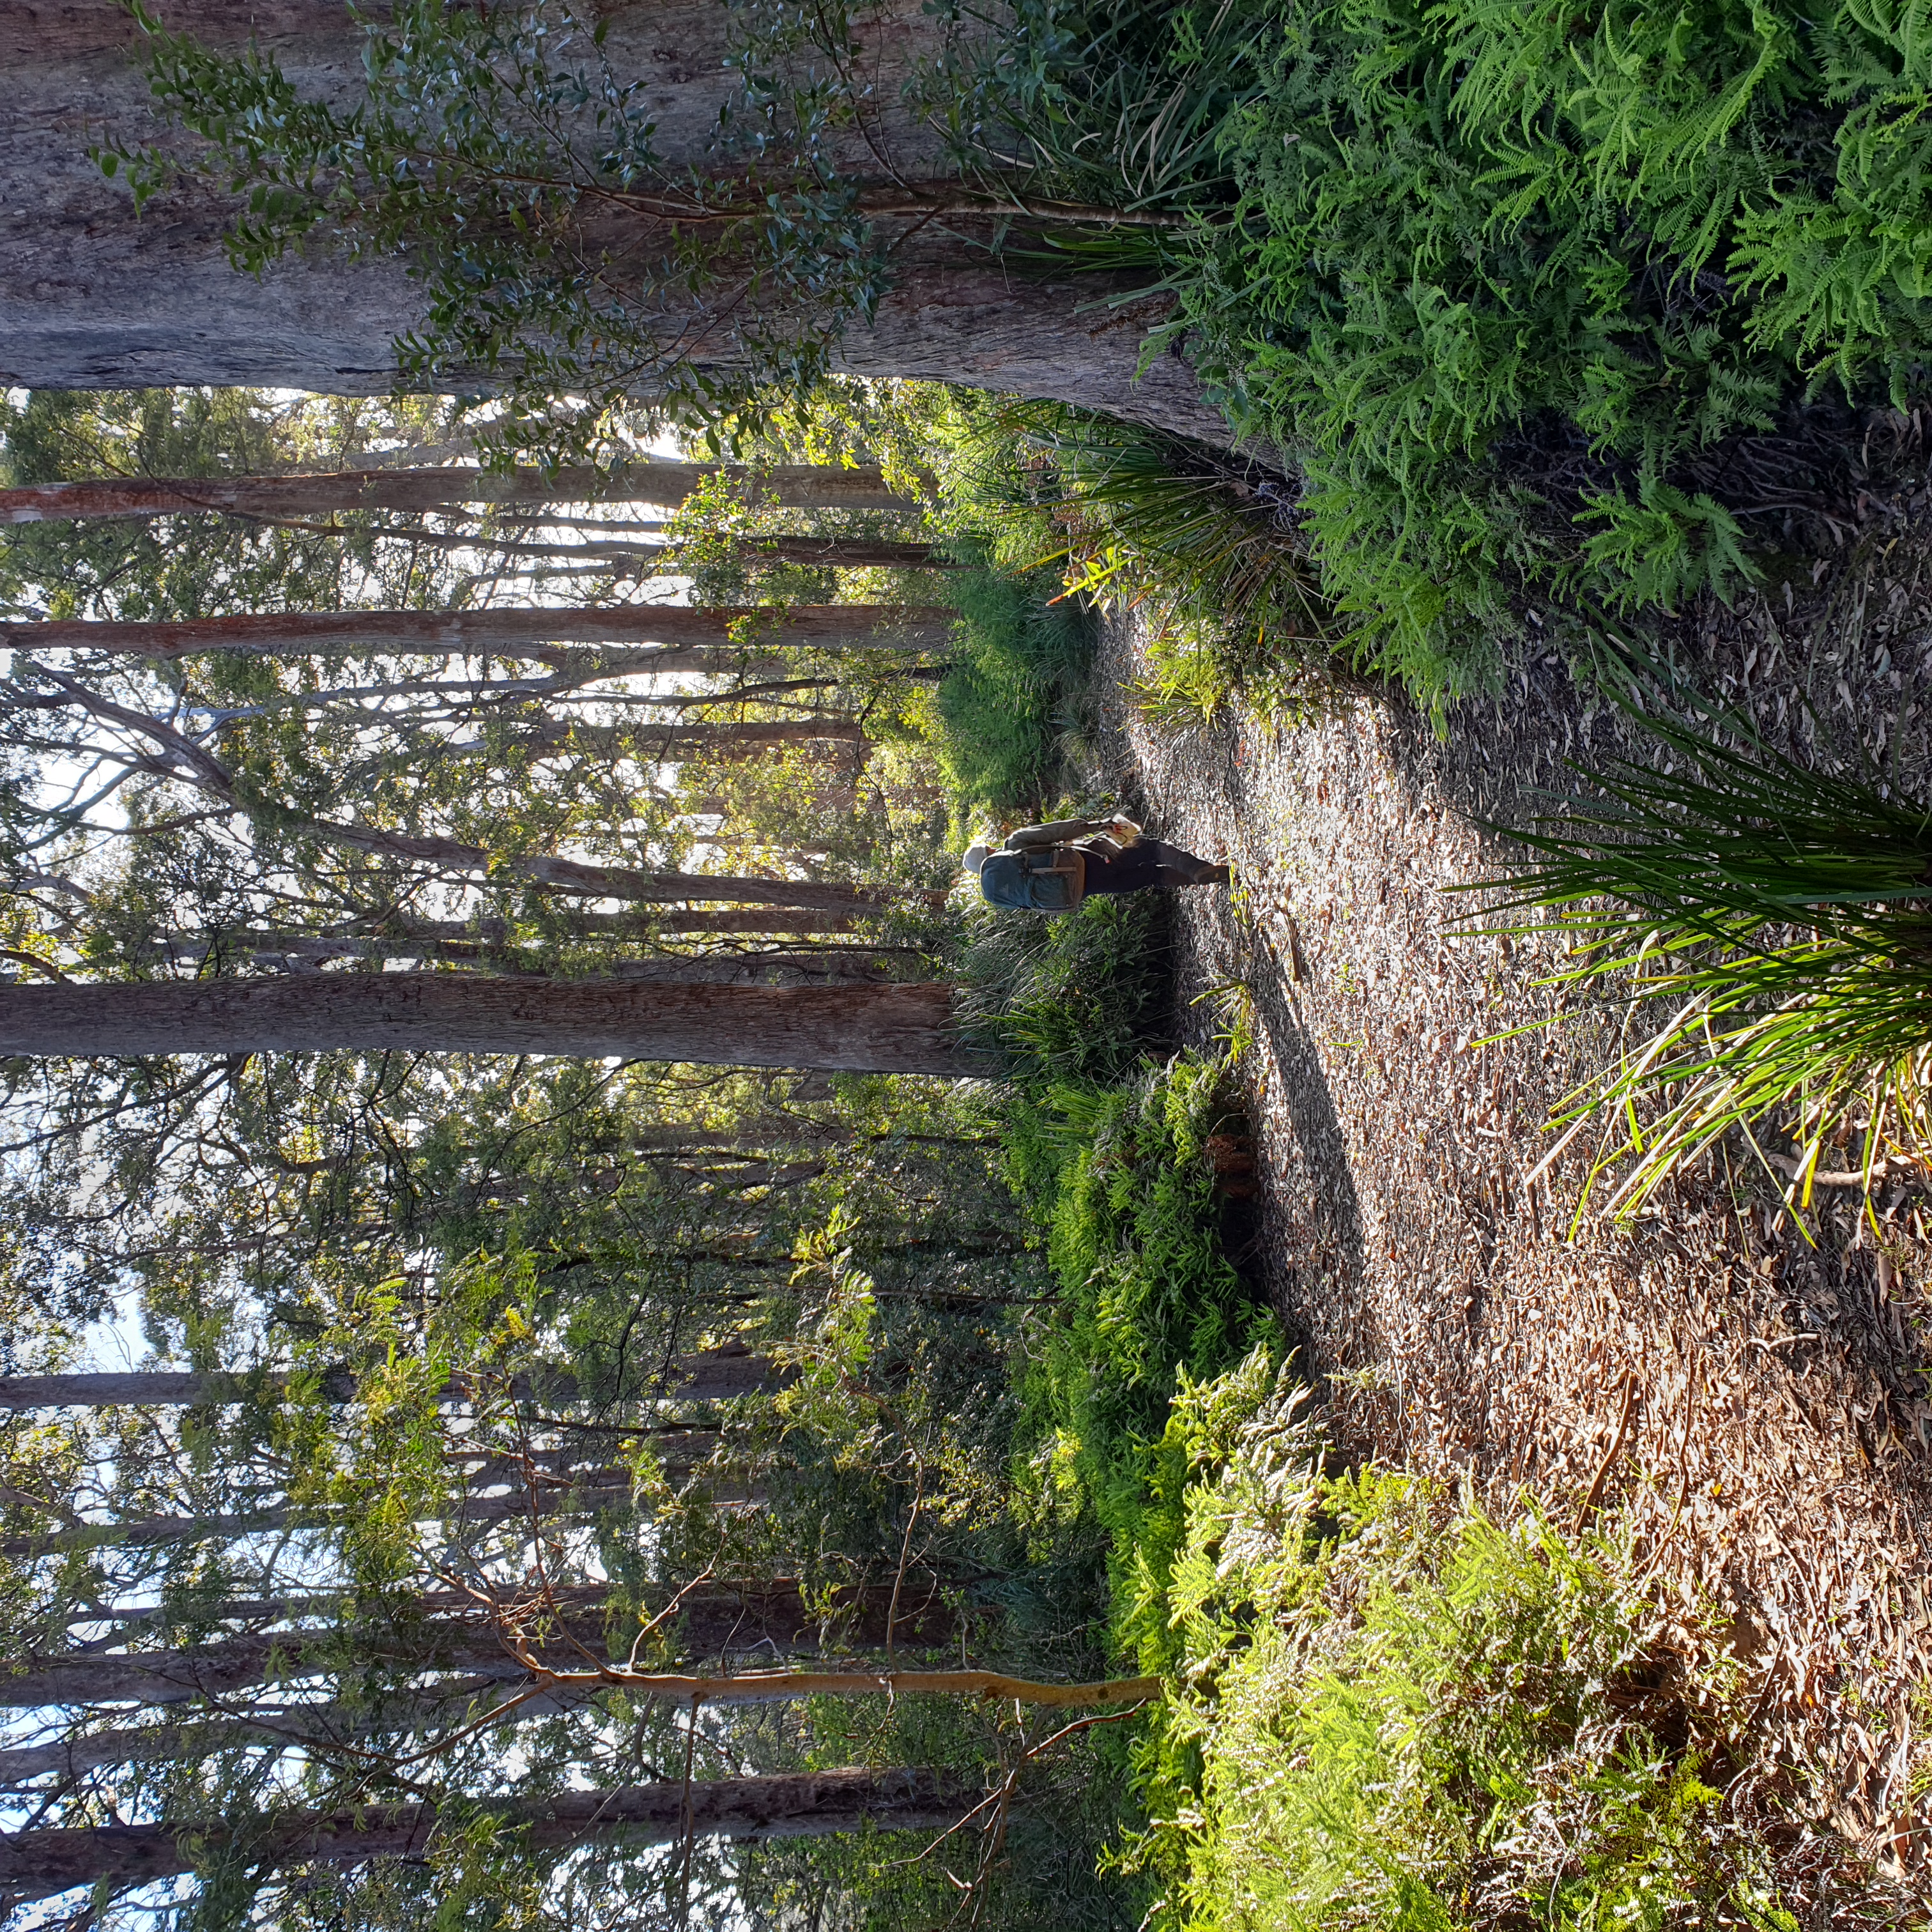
{"x": 1757, "y": 1406}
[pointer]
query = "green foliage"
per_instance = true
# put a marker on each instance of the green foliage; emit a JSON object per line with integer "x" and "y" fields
{"x": 1390, "y": 1711}
{"x": 1122, "y": 1179}
{"x": 1503, "y": 286}
{"x": 1492, "y": 272}
{"x": 1049, "y": 1874}
{"x": 1049, "y": 997}
{"x": 1202, "y": 543}
{"x": 1119, "y": 109}
{"x": 1779, "y": 915}
{"x": 184, "y": 566}
{"x": 1021, "y": 662}
{"x": 477, "y": 144}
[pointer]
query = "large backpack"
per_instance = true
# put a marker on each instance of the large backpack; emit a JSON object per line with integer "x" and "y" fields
{"x": 1027, "y": 882}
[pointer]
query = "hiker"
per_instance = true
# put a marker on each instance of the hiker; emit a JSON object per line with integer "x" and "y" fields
{"x": 1052, "y": 868}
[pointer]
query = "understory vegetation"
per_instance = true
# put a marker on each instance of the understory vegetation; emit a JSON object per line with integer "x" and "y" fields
{"x": 1388, "y": 1708}
{"x": 1762, "y": 925}
{"x": 1130, "y": 1182}
{"x": 1572, "y": 304}
{"x": 1012, "y": 707}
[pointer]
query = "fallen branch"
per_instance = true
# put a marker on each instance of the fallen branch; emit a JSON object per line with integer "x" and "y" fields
{"x": 1892, "y": 1167}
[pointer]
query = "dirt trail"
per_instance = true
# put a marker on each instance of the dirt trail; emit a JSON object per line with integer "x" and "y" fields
{"x": 1759, "y": 1408}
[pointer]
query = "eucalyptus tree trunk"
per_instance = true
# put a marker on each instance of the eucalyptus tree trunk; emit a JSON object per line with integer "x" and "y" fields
{"x": 94, "y": 296}
{"x": 799, "y": 965}
{"x": 311, "y": 1729}
{"x": 470, "y": 1650}
{"x": 712, "y": 1375}
{"x": 36, "y": 1865}
{"x": 866, "y": 1029}
{"x": 189, "y": 760}
{"x": 655, "y": 743}
{"x": 587, "y": 1492}
{"x": 794, "y": 486}
{"x": 760, "y": 923}
{"x": 666, "y": 555}
{"x": 481, "y": 939}
{"x": 523, "y": 633}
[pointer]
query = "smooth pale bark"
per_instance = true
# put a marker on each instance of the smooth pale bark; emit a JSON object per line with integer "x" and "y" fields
{"x": 469, "y": 1647}
{"x": 517, "y": 633}
{"x": 837, "y": 552}
{"x": 796, "y": 486}
{"x": 92, "y": 296}
{"x": 40, "y": 1864}
{"x": 852, "y": 1028}
{"x": 614, "y": 882}
{"x": 219, "y": 1670}
{"x": 665, "y": 558}
{"x": 191, "y": 762}
{"x": 775, "y": 921}
{"x": 602, "y": 881}
{"x": 654, "y": 743}
{"x": 569, "y": 1598}
{"x": 314, "y": 1727}
{"x": 711, "y": 1375}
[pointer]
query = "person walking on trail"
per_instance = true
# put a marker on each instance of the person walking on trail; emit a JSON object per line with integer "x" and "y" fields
{"x": 1052, "y": 867}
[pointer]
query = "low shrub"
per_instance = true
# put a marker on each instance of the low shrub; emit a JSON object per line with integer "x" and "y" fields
{"x": 1575, "y": 302}
{"x": 1123, "y": 1179}
{"x": 1203, "y": 543}
{"x": 1078, "y": 997}
{"x": 1020, "y": 664}
{"x": 1389, "y": 1711}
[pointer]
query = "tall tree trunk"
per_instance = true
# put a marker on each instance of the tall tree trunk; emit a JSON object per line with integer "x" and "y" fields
{"x": 796, "y": 486}
{"x": 603, "y": 881}
{"x": 767, "y": 966}
{"x": 482, "y": 939}
{"x": 590, "y": 1493}
{"x": 653, "y": 743}
{"x": 218, "y": 1671}
{"x": 760, "y": 923}
{"x": 36, "y": 1864}
{"x": 191, "y": 762}
{"x": 594, "y": 554}
{"x": 856, "y": 1029}
{"x": 712, "y": 1375}
{"x": 470, "y": 1648}
{"x": 92, "y": 296}
{"x": 509, "y": 633}
{"x": 311, "y": 1729}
